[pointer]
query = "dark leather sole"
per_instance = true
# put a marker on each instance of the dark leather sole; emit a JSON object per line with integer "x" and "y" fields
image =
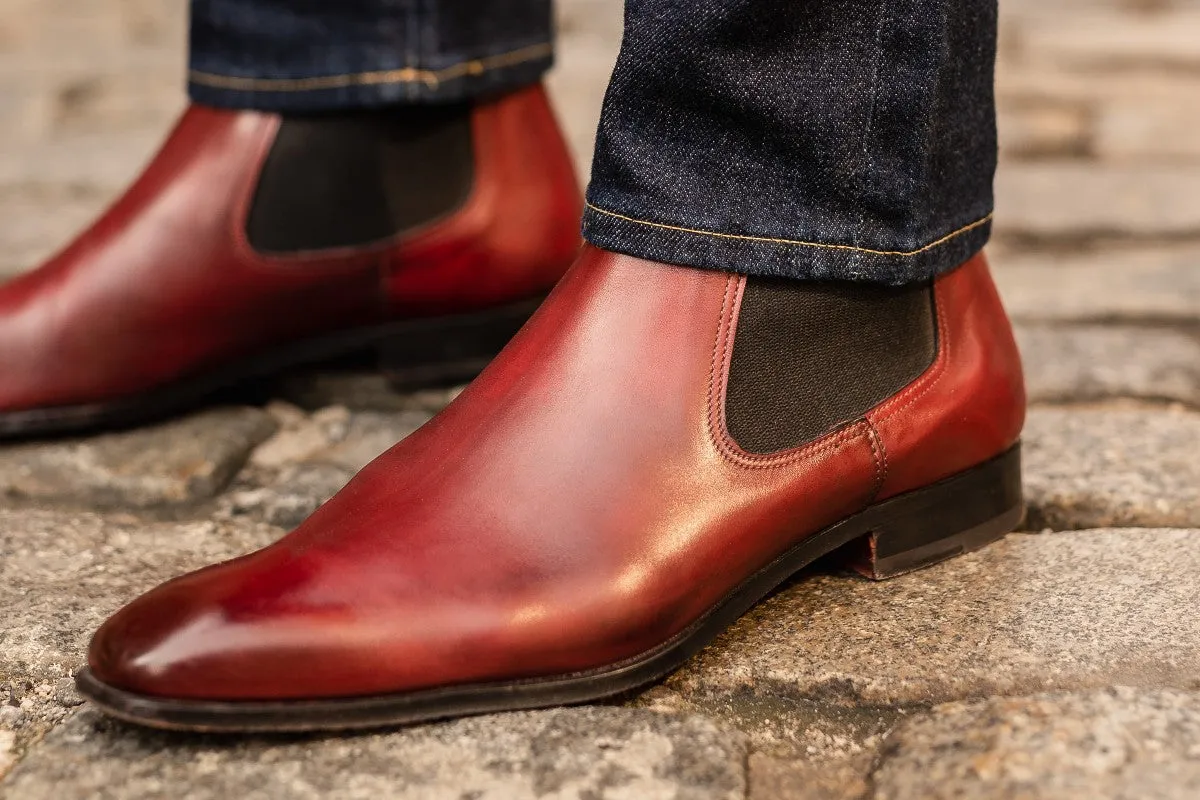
{"x": 414, "y": 354}
{"x": 961, "y": 513}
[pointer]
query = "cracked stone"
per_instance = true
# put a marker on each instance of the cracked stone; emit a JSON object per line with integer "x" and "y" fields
{"x": 1057, "y": 612}
{"x": 579, "y": 754}
{"x": 1098, "y": 468}
{"x": 181, "y": 462}
{"x": 782, "y": 727}
{"x": 1080, "y": 363}
{"x": 1118, "y": 744}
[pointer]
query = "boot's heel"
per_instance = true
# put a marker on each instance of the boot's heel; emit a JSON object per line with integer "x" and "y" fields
{"x": 952, "y": 517}
{"x": 443, "y": 351}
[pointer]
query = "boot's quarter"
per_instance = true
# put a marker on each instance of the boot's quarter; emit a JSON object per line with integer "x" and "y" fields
{"x": 164, "y": 301}
{"x": 577, "y": 523}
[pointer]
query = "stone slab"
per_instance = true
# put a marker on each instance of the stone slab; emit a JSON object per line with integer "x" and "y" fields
{"x": 1105, "y": 40}
{"x": 1119, "y": 744}
{"x": 181, "y": 462}
{"x": 1136, "y": 285}
{"x": 800, "y": 779}
{"x": 363, "y": 390}
{"x": 1058, "y": 612}
{"x": 62, "y": 574}
{"x": 310, "y": 458}
{"x": 1070, "y": 201}
{"x": 1106, "y": 467}
{"x": 589, "y": 39}
{"x": 566, "y": 754}
{"x": 785, "y": 727}
{"x": 1067, "y": 363}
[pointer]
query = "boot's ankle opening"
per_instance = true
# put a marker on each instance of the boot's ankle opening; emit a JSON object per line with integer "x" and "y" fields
{"x": 809, "y": 357}
{"x": 353, "y": 179}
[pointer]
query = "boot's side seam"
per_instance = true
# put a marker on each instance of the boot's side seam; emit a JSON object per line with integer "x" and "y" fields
{"x": 879, "y": 453}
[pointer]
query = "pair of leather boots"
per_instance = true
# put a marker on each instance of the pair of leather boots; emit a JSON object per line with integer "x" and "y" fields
{"x": 656, "y": 449}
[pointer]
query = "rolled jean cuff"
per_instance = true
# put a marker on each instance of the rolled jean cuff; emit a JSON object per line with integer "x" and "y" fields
{"x": 375, "y": 84}
{"x": 766, "y": 256}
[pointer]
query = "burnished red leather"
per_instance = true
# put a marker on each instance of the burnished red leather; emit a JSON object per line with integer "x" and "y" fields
{"x": 165, "y": 284}
{"x": 970, "y": 405}
{"x": 578, "y": 505}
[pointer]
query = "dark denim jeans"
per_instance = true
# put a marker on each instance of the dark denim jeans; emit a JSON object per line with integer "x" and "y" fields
{"x": 812, "y": 139}
{"x": 310, "y": 55}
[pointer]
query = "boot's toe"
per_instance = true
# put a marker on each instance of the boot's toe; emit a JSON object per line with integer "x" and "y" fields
{"x": 162, "y": 644}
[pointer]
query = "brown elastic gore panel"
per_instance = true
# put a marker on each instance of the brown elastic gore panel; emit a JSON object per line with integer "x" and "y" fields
{"x": 809, "y": 357}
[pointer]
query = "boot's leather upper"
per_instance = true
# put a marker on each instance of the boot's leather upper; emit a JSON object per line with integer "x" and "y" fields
{"x": 578, "y": 505}
{"x": 165, "y": 284}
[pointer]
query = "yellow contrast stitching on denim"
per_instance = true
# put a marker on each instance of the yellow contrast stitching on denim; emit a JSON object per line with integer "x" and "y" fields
{"x": 431, "y": 78}
{"x": 794, "y": 243}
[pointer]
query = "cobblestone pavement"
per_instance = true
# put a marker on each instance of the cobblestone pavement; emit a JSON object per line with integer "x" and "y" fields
{"x": 1061, "y": 663}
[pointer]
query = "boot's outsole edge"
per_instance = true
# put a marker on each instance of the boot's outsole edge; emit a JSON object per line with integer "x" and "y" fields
{"x": 968, "y": 511}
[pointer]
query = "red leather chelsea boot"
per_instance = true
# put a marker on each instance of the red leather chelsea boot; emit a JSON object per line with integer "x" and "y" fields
{"x": 254, "y": 244}
{"x": 639, "y": 467}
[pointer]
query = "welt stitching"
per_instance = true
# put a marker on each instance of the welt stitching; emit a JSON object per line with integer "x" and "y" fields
{"x": 431, "y": 78}
{"x": 931, "y": 380}
{"x": 795, "y": 242}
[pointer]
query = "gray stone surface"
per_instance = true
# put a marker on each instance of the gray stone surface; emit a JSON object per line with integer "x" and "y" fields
{"x": 1072, "y": 201}
{"x": 589, "y": 38}
{"x": 573, "y": 754}
{"x": 311, "y": 457}
{"x": 1030, "y": 614}
{"x": 1112, "y": 467}
{"x": 1097, "y": 231}
{"x": 176, "y": 463}
{"x": 799, "y": 778}
{"x": 1112, "y": 745}
{"x": 1084, "y": 363}
{"x": 62, "y": 574}
{"x": 359, "y": 391}
{"x": 782, "y": 727}
{"x": 1143, "y": 285}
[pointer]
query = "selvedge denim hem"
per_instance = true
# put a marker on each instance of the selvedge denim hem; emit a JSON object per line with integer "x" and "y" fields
{"x": 755, "y": 255}
{"x": 824, "y": 140}
{"x": 311, "y": 55}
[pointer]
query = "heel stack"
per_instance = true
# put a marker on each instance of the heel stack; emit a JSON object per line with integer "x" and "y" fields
{"x": 962, "y": 513}
{"x": 443, "y": 351}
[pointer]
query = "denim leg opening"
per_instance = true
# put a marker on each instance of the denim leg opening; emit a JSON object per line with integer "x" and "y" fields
{"x": 282, "y": 55}
{"x": 827, "y": 140}
{"x": 766, "y": 256}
